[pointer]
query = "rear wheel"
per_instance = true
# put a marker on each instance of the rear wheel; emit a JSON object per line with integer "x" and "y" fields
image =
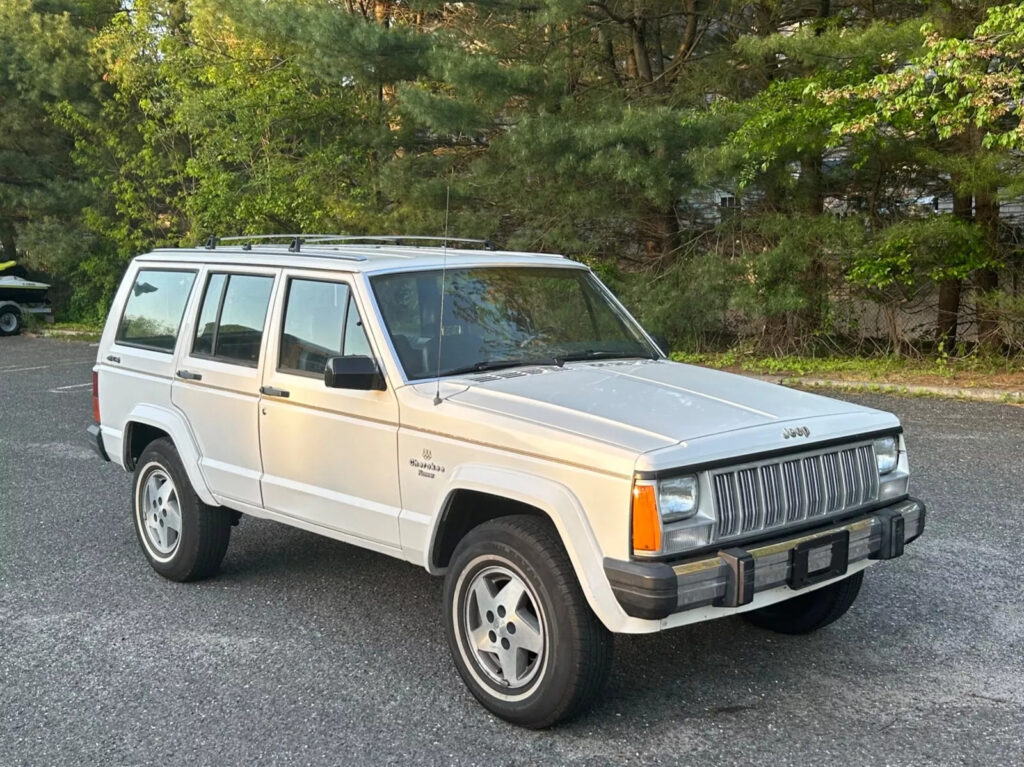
{"x": 10, "y": 321}
{"x": 810, "y": 612}
{"x": 519, "y": 627}
{"x": 182, "y": 537}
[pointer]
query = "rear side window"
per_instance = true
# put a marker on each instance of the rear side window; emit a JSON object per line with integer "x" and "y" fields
{"x": 153, "y": 312}
{"x": 230, "y": 326}
{"x": 320, "y": 321}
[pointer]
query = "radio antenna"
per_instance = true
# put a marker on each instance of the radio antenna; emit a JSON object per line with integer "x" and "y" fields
{"x": 444, "y": 274}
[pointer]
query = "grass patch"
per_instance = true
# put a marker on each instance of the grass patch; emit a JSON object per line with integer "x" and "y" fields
{"x": 70, "y": 331}
{"x": 971, "y": 371}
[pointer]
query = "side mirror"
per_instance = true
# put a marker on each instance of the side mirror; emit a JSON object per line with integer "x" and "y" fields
{"x": 355, "y": 372}
{"x": 662, "y": 342}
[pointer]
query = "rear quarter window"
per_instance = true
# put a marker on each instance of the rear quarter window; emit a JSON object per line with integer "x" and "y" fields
{"x": 156, "y": 303}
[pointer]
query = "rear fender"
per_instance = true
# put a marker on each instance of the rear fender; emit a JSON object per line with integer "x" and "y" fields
{"x": 174, "y": 424}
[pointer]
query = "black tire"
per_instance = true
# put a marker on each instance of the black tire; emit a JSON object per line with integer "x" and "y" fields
{"x": 10, "y": 321}
{"x": 570, "y": 671}
{"x": 196, "y": 550}
{"x": 810, "y": 612}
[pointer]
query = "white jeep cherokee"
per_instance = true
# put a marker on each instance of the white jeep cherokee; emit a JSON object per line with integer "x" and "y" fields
{"x": 498, "y": 418}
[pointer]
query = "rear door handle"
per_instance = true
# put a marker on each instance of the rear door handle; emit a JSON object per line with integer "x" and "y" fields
{"x": 270, "y": 391}
{"x": 113, "y": 358}
{"x": 189, "y": 376}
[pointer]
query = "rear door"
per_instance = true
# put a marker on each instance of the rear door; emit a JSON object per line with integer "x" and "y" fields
{"x": 217, "y": 377}
{"x": 329, "y": 455}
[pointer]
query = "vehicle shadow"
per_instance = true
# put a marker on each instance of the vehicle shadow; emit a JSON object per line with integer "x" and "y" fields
{"x": 721, "y": 668}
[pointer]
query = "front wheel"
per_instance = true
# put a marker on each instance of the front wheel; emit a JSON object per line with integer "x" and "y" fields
{"x": 810, "y": 612}
{"x": 519, "y": 627}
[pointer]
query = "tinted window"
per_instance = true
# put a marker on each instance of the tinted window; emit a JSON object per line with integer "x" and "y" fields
{"x": 320, "y": 322}
{"x": 231, "y": 320}
{"x": 152, "y": 314}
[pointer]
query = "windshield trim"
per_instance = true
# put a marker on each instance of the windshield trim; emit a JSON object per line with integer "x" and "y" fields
{"x": 367, "y": 277}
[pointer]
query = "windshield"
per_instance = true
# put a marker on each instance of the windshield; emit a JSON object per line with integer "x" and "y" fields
{"x": 497, "y": 317}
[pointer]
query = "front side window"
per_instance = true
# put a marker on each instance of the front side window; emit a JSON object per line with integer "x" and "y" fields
{"x": 232, "y": 316}
{"x": 320, "y": 321}
{"x": 155, "y": 306}
{"x": 501, "y": 317}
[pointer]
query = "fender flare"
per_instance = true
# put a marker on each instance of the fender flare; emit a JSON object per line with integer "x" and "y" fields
{"x": 174, "y": 424}
{"x": 564, "y": 510}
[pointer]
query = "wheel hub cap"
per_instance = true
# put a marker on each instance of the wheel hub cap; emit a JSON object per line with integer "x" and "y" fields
{"x": 504, "y": 627}
{"x": 161, "y": 512}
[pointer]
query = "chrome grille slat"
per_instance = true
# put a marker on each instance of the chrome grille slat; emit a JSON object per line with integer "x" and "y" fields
{"x": 725, "y": 502}
{"x": 796, "y": 488}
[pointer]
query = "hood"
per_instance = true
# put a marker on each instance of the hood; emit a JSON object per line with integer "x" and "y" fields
{"x": 647, "y": 414}
{"x": 668, "y": 401}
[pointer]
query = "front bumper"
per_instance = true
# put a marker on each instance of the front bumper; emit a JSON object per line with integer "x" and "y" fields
{"x": 731, "y": 577}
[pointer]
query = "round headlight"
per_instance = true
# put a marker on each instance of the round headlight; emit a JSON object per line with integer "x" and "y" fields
{"x": 886, "y": 454}
{"x": 677, "y": 498}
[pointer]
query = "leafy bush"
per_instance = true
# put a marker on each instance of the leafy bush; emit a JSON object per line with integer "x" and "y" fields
{"x": 688, "y": 302}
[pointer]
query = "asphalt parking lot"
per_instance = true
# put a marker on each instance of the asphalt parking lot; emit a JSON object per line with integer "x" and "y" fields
{"x": 308, "y": 651}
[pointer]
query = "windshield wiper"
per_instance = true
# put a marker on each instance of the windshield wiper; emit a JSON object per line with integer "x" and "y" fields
{"x": 484, "y": 365}
{"x": 600, "y": 354}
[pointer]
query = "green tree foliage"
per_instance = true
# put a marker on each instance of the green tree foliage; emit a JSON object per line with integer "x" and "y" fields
{"x": 43, "y": 63}
{"x": 737, "y": 169}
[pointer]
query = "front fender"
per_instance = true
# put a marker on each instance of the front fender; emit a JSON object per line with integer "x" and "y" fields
{"x": 562, "y": 506}
{"x": 175, "y": 425}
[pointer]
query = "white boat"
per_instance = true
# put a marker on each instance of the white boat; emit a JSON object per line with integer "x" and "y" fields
{"x": 18, "y": 289}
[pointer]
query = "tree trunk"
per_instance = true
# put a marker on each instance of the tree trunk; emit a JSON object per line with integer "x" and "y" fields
{"x": 987, "y": 280}
{"x": 605, "y": 41}
{"x": 949, "y": 313}
{"x": 948, "y": 320}
{"x": 643, "y": 59}
{"x": 814, "y": 281}
{"x": 658, "y": 59}
{"x": 689, "y": 34}
{"x": 7, "y": 241}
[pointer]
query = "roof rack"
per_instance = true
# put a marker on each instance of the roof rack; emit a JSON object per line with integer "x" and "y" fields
{"x": 297, "y": 240}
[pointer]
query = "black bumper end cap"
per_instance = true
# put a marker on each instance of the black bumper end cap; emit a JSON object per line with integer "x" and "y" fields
{"x": 646, "y": 590}
{"x": 739, "y": 588}
{"x": 96, "y": 440}
{"x": 922, "y": 517}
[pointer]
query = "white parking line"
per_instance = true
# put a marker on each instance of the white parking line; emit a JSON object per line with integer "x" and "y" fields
{"x": 65, "y": 389}
{"x": 20, "y": 369}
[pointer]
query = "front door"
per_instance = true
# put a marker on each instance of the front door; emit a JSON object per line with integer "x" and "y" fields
{"x": 329, "y": 455}
{"x": 217, "y": 379}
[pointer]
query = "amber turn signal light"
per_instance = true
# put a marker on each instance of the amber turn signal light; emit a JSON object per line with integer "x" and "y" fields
{"x": 646, "y": 521}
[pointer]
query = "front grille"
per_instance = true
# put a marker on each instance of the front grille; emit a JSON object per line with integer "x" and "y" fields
{"x": 793, "y": 489}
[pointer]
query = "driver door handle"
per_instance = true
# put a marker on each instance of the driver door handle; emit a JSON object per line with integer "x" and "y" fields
{"x": 270, "y": 391}
{"x": 190, "y": 376}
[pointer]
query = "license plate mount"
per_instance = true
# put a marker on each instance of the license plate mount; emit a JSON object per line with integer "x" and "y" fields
{"x": 800, "y": 574}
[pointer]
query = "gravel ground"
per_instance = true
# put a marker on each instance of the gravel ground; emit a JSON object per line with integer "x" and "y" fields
{"x": 308, "y": 651}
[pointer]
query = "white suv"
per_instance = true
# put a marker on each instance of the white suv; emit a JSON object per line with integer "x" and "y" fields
{"x": 498, "y": 418}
